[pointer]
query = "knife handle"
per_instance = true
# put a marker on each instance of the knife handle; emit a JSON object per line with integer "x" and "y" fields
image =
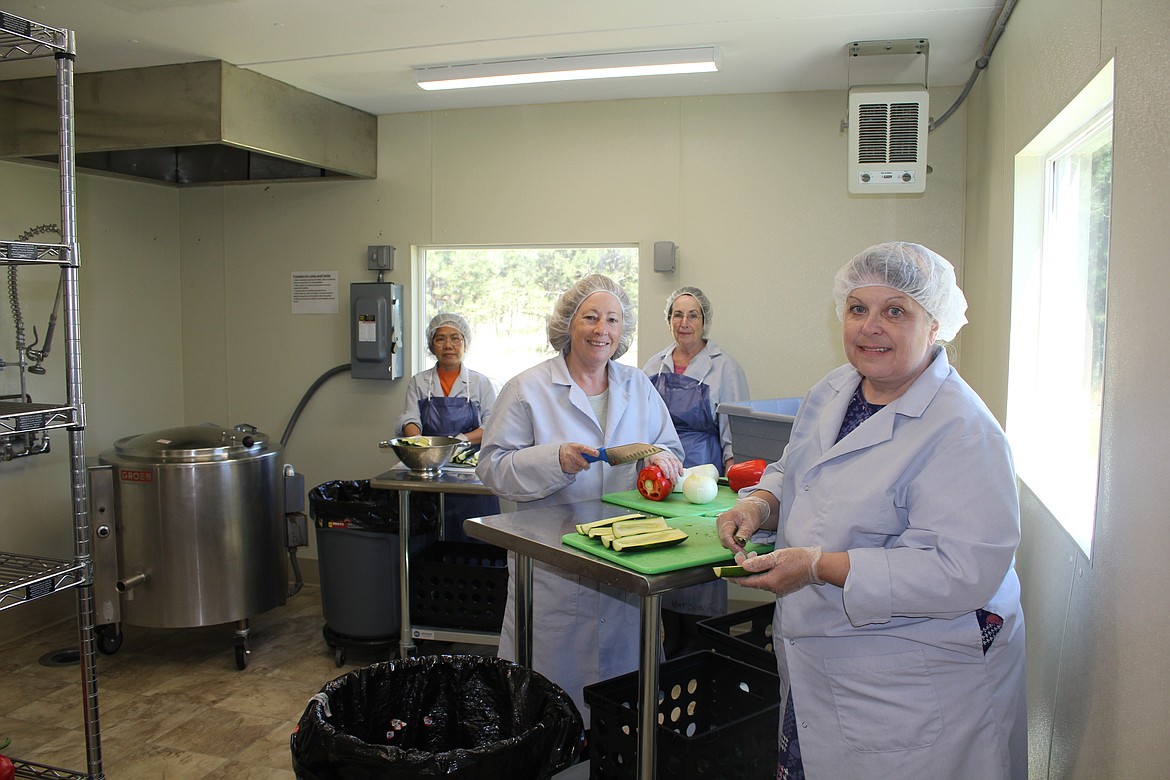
{"x": 598, "y": 458}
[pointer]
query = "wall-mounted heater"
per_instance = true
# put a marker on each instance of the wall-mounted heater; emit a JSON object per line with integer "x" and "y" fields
{"x": 887, "y": 139}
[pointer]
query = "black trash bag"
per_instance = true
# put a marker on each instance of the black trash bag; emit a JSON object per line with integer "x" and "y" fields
{"x": 354, "y": 504}
{"x": 457, "y": 716}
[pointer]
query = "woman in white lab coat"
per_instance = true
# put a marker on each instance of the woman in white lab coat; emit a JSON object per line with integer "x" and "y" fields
{"x": 899, "y": 633}
{"x": 449, "y": 399}
{"x": 546, "y": 419}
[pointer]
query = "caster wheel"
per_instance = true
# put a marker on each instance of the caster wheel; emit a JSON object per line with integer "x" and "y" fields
{"x": 109, "y": 638}
{"x": 241, "y": 656}
{"x": 339, "y": 657}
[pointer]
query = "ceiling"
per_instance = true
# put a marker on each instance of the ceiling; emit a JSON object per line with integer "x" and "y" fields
{"x": 361, "y": 52}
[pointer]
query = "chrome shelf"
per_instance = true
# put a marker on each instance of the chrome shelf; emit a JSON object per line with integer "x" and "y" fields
{"x": 26, "y": 578}
{"x": 25, "y": 253}
{"x": 28, "y": 769}
{"x": 16, "y": 417}
{"x": 22, "y": 38}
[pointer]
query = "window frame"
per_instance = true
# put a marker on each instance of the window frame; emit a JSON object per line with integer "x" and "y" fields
{"x": 1036, "y": 236}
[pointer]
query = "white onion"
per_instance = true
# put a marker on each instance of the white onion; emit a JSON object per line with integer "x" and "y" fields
{"x": 700, "y": 489}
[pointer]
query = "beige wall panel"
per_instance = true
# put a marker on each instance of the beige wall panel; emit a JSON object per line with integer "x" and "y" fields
{"x": 555, "y": 173}
{"x": 205, "y": 336}
{"x": 1101, "y": 712}
{"x": 768, "y": 221}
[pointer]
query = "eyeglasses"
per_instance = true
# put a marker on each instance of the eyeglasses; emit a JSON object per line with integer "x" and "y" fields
{"x": 693, "y": 316}
{"x": 454, "y": 341}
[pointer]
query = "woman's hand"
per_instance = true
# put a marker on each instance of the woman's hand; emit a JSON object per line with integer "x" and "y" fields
{"x": 572, "y": 460}
{"x": 671, "y": 466}
{"x": 736, "y": 526}
{"x": 782, "y": 571}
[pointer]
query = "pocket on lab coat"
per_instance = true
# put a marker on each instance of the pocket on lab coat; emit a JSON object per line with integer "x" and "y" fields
{"x": 885, "y": 702}
{"x": 556, "y": 599}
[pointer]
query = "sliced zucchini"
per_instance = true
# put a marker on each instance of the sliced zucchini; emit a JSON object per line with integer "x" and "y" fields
{"x": 731, "y": 571}
{"x": 583, "y": 528}
{"x": 649, "y": 541}
{"x": 631, "y": 527}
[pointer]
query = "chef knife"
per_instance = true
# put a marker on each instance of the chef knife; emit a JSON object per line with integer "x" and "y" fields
{"x": 622, "y": 453}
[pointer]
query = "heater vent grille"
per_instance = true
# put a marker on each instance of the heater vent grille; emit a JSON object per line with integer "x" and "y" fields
{"x": 887, "y": 140}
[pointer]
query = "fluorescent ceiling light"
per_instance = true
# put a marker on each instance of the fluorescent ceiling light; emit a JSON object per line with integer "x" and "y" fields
{"x": 569, "y": 68}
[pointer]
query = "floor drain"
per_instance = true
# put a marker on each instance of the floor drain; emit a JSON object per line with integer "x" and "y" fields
{"x": 66, "y": 657}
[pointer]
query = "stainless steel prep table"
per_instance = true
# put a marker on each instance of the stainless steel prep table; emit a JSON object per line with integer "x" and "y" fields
{"x": 405, "y": 481}
{"x": 535, "y": 534}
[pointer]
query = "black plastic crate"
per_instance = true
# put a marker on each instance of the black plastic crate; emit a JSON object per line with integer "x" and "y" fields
{"x": 745, "y": 636}
{"x": 459, "y": 585}
{"x": 718, "y": 719}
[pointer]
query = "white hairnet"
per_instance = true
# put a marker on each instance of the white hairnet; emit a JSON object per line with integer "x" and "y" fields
{"x": 697, "y": 294}
{"x": 571, "y": 300}
{"x": 451, "y": 321}
{"x": 921, "y": 273}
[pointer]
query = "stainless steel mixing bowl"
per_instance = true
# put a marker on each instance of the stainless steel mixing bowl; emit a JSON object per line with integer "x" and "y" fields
{"x": 427, "y": 455}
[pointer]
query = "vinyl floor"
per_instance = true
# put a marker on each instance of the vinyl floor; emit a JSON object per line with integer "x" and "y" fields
{"x": 172, "y": 702}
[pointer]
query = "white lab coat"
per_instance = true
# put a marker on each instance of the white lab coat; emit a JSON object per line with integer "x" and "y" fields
{"x": 716, "y": 369}
{"x": 583, "y": 631}
{"x": 426, "y": 384}
{"x": 888, "y": 675}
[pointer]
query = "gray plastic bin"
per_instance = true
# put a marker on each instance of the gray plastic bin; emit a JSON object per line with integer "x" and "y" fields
{"x": 359, "y": 558}
{"x": 760, "y": 429}
{"x": 360, "y": 579}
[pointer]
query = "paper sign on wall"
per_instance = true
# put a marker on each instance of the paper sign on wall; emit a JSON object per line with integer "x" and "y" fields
{"x": 314, "y": 292}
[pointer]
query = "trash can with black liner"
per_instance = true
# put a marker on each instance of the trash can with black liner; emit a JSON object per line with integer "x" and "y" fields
{"x": 359, "y": 559}
{"x": 455, "y": 716}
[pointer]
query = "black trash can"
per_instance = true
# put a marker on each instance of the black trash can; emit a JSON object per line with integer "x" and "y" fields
{"x": 456, "y": 716}
{"x": 358, "y": 558}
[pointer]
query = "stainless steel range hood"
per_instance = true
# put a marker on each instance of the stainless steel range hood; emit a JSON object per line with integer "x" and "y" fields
{"x": 196, "y": 123}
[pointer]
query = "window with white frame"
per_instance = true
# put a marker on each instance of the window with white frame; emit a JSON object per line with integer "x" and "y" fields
{"x": 506, "y": 294}
{"x": 1060, "y": 265}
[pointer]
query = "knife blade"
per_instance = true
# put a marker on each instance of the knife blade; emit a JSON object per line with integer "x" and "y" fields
{"x": 623, "y": 453}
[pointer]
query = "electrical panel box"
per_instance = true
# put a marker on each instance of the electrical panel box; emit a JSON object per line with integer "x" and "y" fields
{"x": 375, "y": 312}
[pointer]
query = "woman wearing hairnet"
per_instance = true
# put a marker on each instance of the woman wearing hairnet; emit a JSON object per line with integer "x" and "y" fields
{"x": 899, "y": 633}
{"x": 450, "y": 399}
{"x": 546, "y": 420}
{"x": 694, "y": 375}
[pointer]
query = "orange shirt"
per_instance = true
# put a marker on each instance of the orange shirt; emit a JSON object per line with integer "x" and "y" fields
{"x": 447, "y": 380}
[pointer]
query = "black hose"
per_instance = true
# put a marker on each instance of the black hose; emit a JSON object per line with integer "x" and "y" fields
{"x": 305, "y": 399}
{"x": 299, "y": 581}
{"x": 981, "y": 63}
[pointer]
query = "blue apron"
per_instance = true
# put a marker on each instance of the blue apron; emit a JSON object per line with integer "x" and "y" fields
{"x": 450, "y": 416}
{"x": 689, "y": 402}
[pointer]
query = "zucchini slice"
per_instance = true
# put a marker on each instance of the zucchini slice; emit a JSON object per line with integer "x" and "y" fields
{"x": 731, "y": 571}
{"x": 630, "y": 527}
{"x": 583, "y": 528}
{"x": 649, "y": 541}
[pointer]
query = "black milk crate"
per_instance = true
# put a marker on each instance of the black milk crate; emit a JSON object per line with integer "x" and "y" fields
{"x": 459, "y": 585}
{"x": 745, "y": 636}
{"x": 718, "y": 719}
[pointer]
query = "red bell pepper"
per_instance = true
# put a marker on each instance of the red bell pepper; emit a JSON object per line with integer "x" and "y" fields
{"x": 7, "y": 769}
{"x": 653, "y": 484}
{"x": 745, "y": 474}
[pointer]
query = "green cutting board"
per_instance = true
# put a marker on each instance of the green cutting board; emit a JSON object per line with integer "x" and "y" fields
{"x": 674, "y": 505}
{"x": 701, "y": 547}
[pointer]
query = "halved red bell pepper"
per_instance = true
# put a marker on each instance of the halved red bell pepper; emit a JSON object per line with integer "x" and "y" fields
{"x": 745, "y": 474}
{"x": 653, "y": 484}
